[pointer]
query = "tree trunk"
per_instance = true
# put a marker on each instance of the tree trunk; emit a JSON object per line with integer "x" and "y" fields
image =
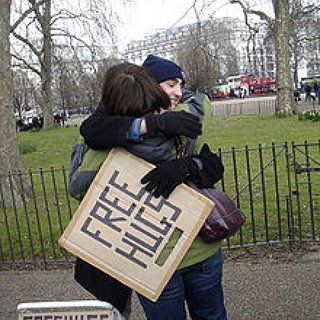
{"x": 295, "y": 70}
{"x": 285, "y": 99}
{"x": 46, "y": 68}
{"x": 9, "y": 143}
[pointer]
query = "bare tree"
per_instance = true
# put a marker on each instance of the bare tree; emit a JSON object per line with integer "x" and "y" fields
{"x": 43, "y": 26}
{"x": 77, "y": 86}
{"x": 92, "y": 82}
{"x": 312, "y": 48}
{"x": 196, "y": 56}
{"x": 197, "y": 60}
{"x": 304, "y": 33}
{"x": 251, "y": 48}
{"x": 41, "y": 50}
{"x": 23, "y": 92}
{"x": 202, "y": 56}
{"x": 280, "y": 26}
{"x": 9, "y": 144}
{"x": 225, "y": 55}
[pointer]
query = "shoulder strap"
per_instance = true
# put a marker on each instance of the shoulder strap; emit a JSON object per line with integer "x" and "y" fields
{"x": 76, "y": 157}
{"x": 195, "y": 101}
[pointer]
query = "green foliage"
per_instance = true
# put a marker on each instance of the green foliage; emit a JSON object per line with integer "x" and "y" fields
{"x": 25, "y": 148}
{"x": 312, "y": 115}
{"x": 282, "y": 114}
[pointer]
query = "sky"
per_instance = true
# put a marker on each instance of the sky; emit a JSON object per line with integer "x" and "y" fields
{"x": 147, "y": 16}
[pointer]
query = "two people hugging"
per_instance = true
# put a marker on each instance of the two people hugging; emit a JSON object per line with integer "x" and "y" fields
{"x": 136, "y": 112}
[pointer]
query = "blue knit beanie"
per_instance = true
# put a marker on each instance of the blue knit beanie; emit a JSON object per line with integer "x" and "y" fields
{"x": 162, "y": 69}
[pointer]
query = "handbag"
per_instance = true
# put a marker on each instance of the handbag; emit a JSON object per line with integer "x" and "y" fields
{"x": 224, "y": 220}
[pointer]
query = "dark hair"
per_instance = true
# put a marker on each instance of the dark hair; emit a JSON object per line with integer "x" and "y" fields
{"x": 130, "y": 90}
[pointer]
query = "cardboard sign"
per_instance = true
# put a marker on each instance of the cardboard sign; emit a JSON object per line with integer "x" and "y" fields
{"x": 55, "y": 310}
{"x": 123, "y": 230}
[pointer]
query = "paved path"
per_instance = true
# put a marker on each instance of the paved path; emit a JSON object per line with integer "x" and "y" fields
{"x": 268, "y": 291}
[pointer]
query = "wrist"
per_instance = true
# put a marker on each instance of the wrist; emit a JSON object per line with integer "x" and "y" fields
{"x": 192, "y": 169}
{"x": 143, "y": 127}
{"x": 133, "y": 133}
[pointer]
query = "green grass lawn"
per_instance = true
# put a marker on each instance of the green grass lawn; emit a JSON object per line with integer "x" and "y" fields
{"x": 44, "y": 149}
{"x": 251, "y": 130}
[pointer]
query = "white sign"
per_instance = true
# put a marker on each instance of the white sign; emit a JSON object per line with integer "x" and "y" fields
{"x": 70, "y": 310}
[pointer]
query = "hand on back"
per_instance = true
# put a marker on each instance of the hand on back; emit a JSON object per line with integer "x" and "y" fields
{"x": 173, "y": 123}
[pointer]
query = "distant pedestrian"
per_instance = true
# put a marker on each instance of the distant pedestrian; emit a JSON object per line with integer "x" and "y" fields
{"x": 242, "y": 93}
{"x": 309, "y": 96}
{"x": 35, "y": 122}
{"x": 57, "y": 119}
{"x": 297, "y": 95}
{"x": 19, "y": 124}
{"x": 316, "y": 89}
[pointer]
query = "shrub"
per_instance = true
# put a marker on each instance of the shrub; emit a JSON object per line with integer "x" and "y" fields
{"x": 25, "y": 148}
{"x": 312, "y": 115}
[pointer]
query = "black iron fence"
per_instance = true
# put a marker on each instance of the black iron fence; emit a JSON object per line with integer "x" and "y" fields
{"x": 277, "y": 187}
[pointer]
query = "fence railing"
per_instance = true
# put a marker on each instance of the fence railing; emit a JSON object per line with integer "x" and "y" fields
{"x": 277, "y": 187}
{"x": 264, "y": 105}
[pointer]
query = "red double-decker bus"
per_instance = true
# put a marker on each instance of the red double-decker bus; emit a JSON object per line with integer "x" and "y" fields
{"x": 259, "y": 86}
{"x": 243, "y": 85}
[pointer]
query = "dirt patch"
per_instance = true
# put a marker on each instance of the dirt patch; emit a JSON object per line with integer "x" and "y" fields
{"x": 267, "y": 254}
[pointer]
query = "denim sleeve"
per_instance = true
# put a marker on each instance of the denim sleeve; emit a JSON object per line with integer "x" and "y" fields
{"x": 133, "y": 133}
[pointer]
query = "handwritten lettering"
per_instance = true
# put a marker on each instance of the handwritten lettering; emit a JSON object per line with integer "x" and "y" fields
{"x": 140, "y": 237}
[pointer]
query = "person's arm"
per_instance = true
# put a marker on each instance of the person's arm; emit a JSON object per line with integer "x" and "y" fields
{"x": 100, "y": 131}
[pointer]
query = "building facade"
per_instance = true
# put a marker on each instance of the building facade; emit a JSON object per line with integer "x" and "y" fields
{"x": 255, "y": 55}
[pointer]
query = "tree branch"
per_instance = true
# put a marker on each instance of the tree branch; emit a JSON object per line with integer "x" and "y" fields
{"x": 26, "y": 64}
{"x": 28, "y": 43}
{"x": 259, "y": 13}
{"x": 35, "y": 5}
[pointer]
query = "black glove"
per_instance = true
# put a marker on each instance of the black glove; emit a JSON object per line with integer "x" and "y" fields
{"x": 163, "y": 179}
{"x": 173, "y": 123}
{"x": 212, "y": 168}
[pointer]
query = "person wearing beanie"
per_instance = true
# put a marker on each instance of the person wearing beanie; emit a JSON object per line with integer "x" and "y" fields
{"x": 163, "y": 69}
{"x": 168, "y": 74}
{"x": 124, "y": 130}
{"x": 198, "y": 280}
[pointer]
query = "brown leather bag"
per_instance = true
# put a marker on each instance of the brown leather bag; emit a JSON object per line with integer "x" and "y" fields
{"x": 224, "y": 220}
